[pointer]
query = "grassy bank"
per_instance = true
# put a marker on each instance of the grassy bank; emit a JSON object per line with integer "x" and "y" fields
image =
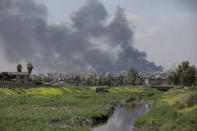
{"x": 66, "y": 108}
{"x": 174, "y": 110}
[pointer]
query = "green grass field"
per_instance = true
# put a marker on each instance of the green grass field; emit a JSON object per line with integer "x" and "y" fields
{"x": 174, "y": 110}
{"x": 74, "y": 108}
{"x": 65, "y": 108}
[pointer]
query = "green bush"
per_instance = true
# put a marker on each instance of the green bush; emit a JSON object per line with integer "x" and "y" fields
{"x": 192, "y": 100}
{"x": 179, "y": 105}
{"x": 174, "y": 110}
{"x": 37, "y": 82}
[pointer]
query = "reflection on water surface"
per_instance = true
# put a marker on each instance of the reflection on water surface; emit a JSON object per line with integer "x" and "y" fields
{"x": 122, "y": 119}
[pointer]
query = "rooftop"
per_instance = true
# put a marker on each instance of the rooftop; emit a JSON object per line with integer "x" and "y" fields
{"x": 18, "y": 73}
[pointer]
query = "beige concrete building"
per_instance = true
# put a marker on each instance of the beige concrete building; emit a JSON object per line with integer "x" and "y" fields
{"x": 19, "y": 76}
{"x": 156, "y": 82}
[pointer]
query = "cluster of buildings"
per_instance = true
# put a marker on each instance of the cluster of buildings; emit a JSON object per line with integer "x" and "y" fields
{"x": 155, "y": 78}
{"x": 150, "y": 78}
{"x": 63, "y": 76}
{"x": 155, "y": 75}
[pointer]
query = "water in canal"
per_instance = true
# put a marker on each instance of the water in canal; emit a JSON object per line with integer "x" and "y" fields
{"x": 123, "y": 118}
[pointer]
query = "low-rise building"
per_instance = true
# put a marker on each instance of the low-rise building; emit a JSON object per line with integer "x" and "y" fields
{"x": 156, "y": 82}
{"x": 19, "y": 76}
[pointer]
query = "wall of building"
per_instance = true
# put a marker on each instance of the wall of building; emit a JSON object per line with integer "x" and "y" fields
{"x": 156, "y": 82}
{"x": 22, "y": 78}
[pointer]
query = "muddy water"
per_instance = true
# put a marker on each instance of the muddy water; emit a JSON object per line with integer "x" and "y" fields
{"x": 123, "y": 118}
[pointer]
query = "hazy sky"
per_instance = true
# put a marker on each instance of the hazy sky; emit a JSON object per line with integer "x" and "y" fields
{"x": 165, "y": 30}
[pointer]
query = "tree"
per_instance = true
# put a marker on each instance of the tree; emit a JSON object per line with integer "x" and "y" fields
{"x": 184, "y": 75}
{"x": 19, "y": 68}
{"x": 182, "y": 67}
{"x": 77, "y": 80}
{"x": 108, "y": 80}
{"x": 100, "y": 81}
{"x": 131, "y": 77}
{"x": 188, "y": 78}
{"x": 138, "y": 81}
{"x": 4, "y": 76}
{"x": 129, "y": 80}
{"x": 1, "y": 76}
{"x": 120, "y": 81}
{"x": 29, "y": 68}
{"x": 46, "y": 79}
{"x": 174, "y": 78}
{"x": 90, "y": 81}
{"x": 37, "y": 81}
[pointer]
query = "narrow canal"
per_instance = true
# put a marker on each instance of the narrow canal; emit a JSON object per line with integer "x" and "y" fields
{"x": 123, "y": 118}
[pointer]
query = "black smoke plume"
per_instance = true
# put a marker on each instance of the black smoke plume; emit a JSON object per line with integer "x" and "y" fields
{"x": 26, "y": 36}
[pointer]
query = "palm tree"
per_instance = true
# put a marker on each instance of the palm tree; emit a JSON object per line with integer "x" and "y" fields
{"x": 29, "y": 68}
{"x": 19, "y": 68}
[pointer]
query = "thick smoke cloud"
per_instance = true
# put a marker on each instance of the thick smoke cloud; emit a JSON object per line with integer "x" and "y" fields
{"x": 26, "y": 36}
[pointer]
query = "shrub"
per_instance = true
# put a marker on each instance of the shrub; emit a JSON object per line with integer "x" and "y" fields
{"x": 37, "y": 82}
{"x": 192, "y": 100}
{"x": 179, "y": 105}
